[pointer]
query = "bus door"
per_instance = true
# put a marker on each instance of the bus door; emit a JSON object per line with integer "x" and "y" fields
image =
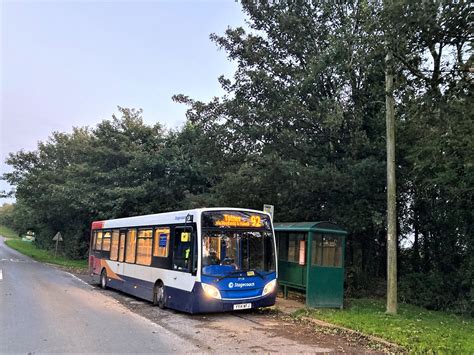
{"x": 183, "y": 261}
{"x": 183, "y": 249}
{"x": 119, "y": 265}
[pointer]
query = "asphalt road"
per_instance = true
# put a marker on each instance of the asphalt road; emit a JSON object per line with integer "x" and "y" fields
{"x": 43, "y": 309}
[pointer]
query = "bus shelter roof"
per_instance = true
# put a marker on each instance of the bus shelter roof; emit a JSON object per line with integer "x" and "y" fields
{"x": 321, "y": 226}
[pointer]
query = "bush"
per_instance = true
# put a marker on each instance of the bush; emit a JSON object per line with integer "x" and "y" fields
{"x": 436, "y": 291}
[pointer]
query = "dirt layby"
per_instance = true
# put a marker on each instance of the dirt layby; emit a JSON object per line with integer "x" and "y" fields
{"x": 262, "y": 331}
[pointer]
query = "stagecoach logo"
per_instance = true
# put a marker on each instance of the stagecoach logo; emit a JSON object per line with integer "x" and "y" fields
{"x": 241, "y": 284}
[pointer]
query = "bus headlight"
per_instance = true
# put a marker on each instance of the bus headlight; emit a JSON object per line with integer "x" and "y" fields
{"x": 269, "y": 287}
{"x": 211, "y": 291}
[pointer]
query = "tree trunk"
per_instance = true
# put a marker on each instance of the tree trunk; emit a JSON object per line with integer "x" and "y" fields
{"x": 391, "y": 189}
{"x": 416, "y": 243}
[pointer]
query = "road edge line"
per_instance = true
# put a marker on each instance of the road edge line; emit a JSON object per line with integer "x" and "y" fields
{"x": 78, "y": 278}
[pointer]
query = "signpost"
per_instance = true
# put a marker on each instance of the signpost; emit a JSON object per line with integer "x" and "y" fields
{"x": 58, "y": 238}
{"x": 270, "y": 209}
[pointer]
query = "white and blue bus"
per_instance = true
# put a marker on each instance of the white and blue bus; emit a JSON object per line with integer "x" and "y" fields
{"x": 201, "y": 260}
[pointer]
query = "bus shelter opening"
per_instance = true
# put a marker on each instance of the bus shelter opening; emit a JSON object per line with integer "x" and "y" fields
{"x": 311, "y": 259}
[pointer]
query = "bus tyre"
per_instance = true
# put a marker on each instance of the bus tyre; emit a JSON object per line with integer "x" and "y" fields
{"x": 159, "y": 295}
{"x": 103, "y": 279}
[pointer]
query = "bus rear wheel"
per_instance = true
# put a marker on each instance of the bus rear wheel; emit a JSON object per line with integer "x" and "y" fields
{"x": 103, "y": 279}
{"x": 159, "y": 295}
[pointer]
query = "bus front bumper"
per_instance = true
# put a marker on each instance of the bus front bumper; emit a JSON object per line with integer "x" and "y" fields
{"x": 205, "y": 304}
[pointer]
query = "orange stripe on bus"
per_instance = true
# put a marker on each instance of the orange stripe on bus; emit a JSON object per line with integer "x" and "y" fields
{"x": 110, "y": 273}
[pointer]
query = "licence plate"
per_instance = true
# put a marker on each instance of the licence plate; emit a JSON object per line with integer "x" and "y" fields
{"x": 242, "y": 306}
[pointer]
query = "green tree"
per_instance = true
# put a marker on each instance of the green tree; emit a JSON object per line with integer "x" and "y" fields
{"x": 301, "y": 125}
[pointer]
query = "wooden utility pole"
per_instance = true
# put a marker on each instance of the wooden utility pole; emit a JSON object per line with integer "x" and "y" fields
{"x": 391, "y": 188}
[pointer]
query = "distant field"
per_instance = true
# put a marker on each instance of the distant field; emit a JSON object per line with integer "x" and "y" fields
{"x": 8, "y": 232}
{"x": 29, "y": 249}
{"x": 415, "y": 328}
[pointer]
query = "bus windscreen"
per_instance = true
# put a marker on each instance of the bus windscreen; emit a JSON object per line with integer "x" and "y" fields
{"x": 233, "y": 252}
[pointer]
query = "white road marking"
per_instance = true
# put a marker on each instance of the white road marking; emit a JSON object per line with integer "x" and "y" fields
{"x": 77, "y": 278}
{"x": 1, "y": 275}
{"x": 18, "y": 260}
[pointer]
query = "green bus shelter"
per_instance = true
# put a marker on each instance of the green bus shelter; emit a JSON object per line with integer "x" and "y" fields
{"x": 311, "y": 259}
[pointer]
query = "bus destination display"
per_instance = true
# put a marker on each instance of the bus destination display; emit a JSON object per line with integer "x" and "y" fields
{"x": 233, "y": 219}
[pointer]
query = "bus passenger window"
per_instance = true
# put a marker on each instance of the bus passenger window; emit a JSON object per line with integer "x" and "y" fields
{"x": 114, "y": 246}
{"x": 122, "y": 246}
{"x": 182, "y": 249}
{"x": 161, "y": 242}
{"x": 94, "y": 238}
{"x": 98, "y": 243}
{"x": 144, "y": 246}
{"x": 106, "y": 241}
{"x": 130, "y": 246}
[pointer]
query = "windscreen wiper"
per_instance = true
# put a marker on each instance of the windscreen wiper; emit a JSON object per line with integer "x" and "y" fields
{"x": 239, "y": 272}
{"x": 236, "y": 272}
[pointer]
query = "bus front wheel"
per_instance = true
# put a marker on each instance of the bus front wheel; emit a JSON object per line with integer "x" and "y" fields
{"x": 103, "y": 279}
{"x": 159, "y": 295}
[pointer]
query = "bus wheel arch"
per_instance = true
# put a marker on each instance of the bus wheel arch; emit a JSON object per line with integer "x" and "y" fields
{"x": 103, "y": 279}
{"x": 159, "y": 297}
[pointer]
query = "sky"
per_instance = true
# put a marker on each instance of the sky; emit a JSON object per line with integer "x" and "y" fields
{"x": 71, "y": 63}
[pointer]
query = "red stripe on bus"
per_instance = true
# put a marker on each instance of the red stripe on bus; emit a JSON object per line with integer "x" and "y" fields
{"x": 98, "y": 225}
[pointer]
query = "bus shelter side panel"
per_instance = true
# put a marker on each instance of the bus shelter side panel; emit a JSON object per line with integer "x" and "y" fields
{"x": 325, "y": 282}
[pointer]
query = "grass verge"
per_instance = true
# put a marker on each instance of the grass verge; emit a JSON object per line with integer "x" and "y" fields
{"x": 414, "y": 328}
{"x": 8, "y": 232}
{"x": 29, "y": 249}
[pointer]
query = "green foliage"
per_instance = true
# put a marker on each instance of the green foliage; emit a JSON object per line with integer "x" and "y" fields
{"x": 8, "y": 232}
{"x": 424, "y": 290}
{"x": 414, "y": 328}
{"x": 100, "y": 173}
{"x": 17, "y": 217}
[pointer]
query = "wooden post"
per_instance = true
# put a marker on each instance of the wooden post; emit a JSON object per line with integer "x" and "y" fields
{"x": 391, "y": 189}
{"x": 56, "y": 250}
{"x": 58, "y": 238}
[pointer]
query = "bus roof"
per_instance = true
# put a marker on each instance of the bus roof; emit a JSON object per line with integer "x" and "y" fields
{"x": 162, "y": 218}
